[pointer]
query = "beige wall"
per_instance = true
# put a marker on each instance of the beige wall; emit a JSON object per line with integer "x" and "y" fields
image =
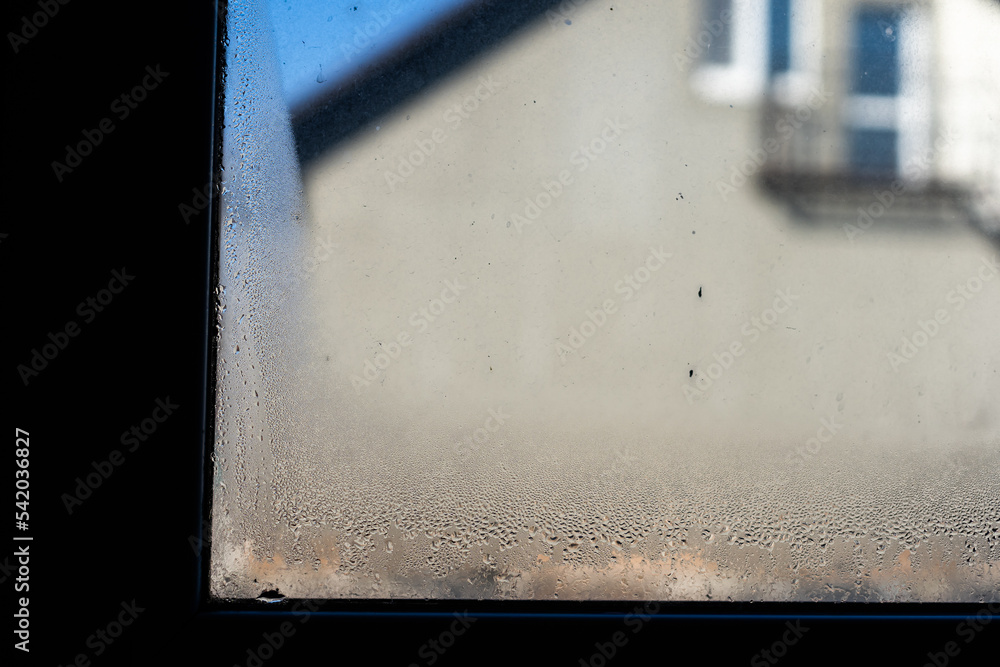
{"x": 555, "y": 88}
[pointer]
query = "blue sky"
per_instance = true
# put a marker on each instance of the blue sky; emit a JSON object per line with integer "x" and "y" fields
{"x": 321, "y": 44}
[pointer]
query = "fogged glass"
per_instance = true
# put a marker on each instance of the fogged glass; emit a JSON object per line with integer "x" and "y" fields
{"x": 680, "y": 301}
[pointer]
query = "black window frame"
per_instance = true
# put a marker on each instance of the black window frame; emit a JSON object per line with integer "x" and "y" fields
{"x": 381, "y": 87}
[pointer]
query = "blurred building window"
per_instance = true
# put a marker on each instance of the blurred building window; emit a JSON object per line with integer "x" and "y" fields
{"x": 873, "y": 152}
{"x": 781, "y": 36}
{"x": 719, "y": 49}
{"x": 887, "y": 82}
{"x": 876, "y": 65}
{"x": 758, "y": 47}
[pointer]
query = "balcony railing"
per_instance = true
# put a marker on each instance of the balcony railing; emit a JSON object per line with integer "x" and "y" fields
{"x": 806, "y": 158}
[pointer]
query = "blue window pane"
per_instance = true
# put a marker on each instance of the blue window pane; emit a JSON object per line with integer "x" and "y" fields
{"x": 876, "y": 70}
{"x": 781, "y": 30}
{"x": 873, "y": 152}
{"x": 718, "y": 30}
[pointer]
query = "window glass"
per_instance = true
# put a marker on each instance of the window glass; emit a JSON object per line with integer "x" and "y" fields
{"x": 720, "y": 40}
{"x": 876, "y": 70}
{"x": 873, "y": 152}
{"x": 780, "y": 52}
{"x": 533, "y": 318}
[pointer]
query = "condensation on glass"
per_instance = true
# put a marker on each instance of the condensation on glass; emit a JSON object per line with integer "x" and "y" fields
{"x": 679, "y": 301}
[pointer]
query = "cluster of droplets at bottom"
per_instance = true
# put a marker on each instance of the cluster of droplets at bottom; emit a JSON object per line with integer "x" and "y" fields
{"x": 644, "y": 524}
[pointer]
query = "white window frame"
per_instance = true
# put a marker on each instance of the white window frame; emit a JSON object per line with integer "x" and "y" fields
{"x": 806, "y": 50}
{"x": 746, "y": 78}
{"x": 908, "y": 113}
